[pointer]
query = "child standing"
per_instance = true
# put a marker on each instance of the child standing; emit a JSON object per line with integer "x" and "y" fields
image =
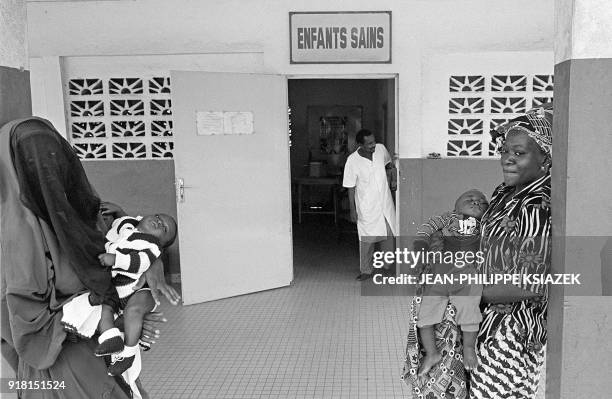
{"x": 460, "y": 230}
{"x": 133, "y": 244}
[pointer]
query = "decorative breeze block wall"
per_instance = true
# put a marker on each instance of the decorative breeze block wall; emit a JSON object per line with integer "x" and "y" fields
{"x": 465, "y": 95}
{"x": 478, "y": 103}
{"x": 120, "y": 118}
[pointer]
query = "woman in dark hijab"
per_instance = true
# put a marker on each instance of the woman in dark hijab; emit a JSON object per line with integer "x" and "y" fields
{"x": 49, "y": 245}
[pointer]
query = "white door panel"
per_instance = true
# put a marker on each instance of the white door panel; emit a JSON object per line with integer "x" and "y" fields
{"x": 235, "y": 220}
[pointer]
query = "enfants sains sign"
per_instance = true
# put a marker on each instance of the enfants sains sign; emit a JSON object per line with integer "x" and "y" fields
{"x": 361, "y": 37}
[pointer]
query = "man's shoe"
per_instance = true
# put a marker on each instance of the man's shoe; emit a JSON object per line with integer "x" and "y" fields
{"x": 364, "y": 276}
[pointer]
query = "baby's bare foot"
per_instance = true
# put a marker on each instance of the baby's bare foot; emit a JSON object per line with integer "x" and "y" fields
{"x": 469, "y": 358}
{"x": 428, "y": 362}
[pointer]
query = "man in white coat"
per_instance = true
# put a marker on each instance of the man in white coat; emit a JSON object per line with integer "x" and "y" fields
{"x": 370, "y": 199}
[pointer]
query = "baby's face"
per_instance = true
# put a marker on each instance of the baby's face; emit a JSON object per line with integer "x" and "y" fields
{"x": 160, "y": 225}
{"x": 472, "y": 203}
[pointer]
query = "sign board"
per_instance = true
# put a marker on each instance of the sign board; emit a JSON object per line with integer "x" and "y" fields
{"x": 354, "y": 37}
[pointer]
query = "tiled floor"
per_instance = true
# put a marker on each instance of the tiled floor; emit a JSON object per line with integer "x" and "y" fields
{"x": 318, "y": 338}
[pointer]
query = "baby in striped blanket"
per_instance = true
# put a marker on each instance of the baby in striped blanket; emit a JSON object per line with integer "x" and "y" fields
{"x": 133, "y": 244}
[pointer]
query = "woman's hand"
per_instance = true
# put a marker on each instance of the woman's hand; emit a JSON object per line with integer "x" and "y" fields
{"x": 111, "y": 209}
{"x": 154, "y": 277}
{"x": 436, "y": 242}
{"x": 107, "y": 259}
{"x": 108, "y": 213}
{"x": 150, "y": 330}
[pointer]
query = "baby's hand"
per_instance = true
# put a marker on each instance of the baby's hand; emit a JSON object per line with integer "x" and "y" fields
{"x": 107, "y": 259}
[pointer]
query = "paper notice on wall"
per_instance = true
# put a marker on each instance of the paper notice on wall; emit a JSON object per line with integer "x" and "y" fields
{"x": 238, "y": 122}
{"x": 224, "y": 122}
{"x": 209, "y": 123}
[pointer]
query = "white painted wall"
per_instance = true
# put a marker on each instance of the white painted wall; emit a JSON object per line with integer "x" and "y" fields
{"x": 582, "y": 29}
{"x": 158, "y": 27}
{"x": 46, "y": 88}
{"x": 13, "y": 34}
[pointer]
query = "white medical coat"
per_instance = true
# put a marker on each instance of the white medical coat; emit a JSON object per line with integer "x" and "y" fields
{"x": 372, "y": 194}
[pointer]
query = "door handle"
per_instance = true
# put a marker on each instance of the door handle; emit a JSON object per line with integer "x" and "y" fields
{"x": 179, "y": 186}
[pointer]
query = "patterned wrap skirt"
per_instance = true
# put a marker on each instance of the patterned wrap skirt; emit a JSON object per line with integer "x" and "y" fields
{"x": 446, "y": 379}
{"x": 508, "y": 366}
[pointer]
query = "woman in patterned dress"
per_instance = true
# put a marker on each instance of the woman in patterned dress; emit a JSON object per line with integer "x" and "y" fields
{"x": 516, "y": 240}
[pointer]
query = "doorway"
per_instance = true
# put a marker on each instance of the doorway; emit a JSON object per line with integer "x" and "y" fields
{"x": 324, "y": 116}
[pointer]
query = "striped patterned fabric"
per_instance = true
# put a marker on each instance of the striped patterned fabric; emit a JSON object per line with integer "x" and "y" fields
{"x": 515, "y": 239}
{"x": 134, "y": 253}
{"x": 507, "y": 368}
{"x": 435, "y": 223}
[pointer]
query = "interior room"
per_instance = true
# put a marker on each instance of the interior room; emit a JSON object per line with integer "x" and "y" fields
{"x": 325, "y": 115}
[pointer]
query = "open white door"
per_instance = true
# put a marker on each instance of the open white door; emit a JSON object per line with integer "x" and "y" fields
{"x": 235, "y": 216}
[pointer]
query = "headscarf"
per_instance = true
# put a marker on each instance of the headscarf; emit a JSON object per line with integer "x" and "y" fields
{"x": 48, "y": 237}
{"x": 55, "y": 187}
{"x": 536, "y": 123}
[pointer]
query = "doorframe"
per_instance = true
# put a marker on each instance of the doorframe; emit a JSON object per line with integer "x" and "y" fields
{"x": 357, "y": 76}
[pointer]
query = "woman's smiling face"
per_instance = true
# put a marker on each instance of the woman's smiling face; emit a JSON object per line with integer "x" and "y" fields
{"x": 522, "y": 160}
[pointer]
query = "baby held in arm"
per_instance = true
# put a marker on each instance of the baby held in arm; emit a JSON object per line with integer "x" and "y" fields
{"x": 459, "y": 231}
{"x": 133, "y": 244}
